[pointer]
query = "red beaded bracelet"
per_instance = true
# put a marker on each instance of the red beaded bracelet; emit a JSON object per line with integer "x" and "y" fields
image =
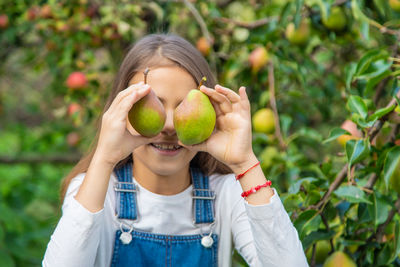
{"x": 243, "y": 173}
{"x": 255, "y": 189}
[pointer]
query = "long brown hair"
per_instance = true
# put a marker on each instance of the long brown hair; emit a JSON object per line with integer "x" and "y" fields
{"x": 152, "y": 51}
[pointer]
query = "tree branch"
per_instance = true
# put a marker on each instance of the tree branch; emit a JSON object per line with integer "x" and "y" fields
{"x": 371, "y": 181}
{"x": 271, "y": 82}
{"x": 381, "y": 228}
{"x": 204, "y": 31}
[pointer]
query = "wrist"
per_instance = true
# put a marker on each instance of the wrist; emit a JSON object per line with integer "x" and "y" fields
{"x": 101, "y": 158}
{"x": 241, "y": 167}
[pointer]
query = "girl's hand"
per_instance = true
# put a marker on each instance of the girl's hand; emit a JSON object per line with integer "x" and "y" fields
{"x": 115, "y": 141}
{"x": 231, "y": 141}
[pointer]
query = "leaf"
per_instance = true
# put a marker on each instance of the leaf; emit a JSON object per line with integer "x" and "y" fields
{"x": 359, "y": 15}
{"x": 335, "y": 133}
{"x": 295, "y": 187}
{"x": 6, "y": 260}
{"x": 375, "y": 69}
{"x": 369, "y": 88}
{"x": 315, "y": 236}
{"x": 381, "y": 112}
{"x": 356, "y": 151}
{"x": 297, "y": 16}
{"x": 379, "y": 210}
{"x": 350, "y": 71}
{"x": 285, "y": 121}
{"x": 307, "y": 221}
{"x": 392, "y": 163}
{"x": 396, "y": 249}
{"x": 323, "y": 7}
{"x": 368, "y": 58}
{"x": 357, "y": 105}
{"x": 380, "y": 4}
{"x": 364, "y": 124}
{"x": 352, "y": 194}
{"x": 384, "y": 256}
{"x": 310, "y": 134}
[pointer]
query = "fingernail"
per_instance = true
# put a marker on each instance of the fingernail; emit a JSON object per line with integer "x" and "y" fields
{"x": 144, "y": 87}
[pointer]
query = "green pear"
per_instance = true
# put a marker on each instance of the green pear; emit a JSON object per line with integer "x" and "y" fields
{"x": 339, "y": 259}
{"x": 194, "y": 118}
{"x": 337, "y": 20}
{"x": 300, "y": 35}
{"x": 147, "y": 116}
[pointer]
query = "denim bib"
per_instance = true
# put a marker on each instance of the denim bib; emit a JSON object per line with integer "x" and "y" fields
{"x": 138, "y": 248}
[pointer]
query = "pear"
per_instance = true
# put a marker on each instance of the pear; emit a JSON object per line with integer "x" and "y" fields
{"x": 264, "y": 121}
{"x": 147, "y": 116}
{"x": 194, "y": 118}
{"x": 395, "y": 5}
{"x": 339, "y": 259}
{"x": 300, "y": 35}
{"x": 336, "y": 21}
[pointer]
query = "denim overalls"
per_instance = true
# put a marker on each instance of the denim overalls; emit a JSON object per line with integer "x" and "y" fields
{"x": 137, "y": 248}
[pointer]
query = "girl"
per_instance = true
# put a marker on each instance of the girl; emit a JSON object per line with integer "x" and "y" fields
{"x": 137, "y": 201}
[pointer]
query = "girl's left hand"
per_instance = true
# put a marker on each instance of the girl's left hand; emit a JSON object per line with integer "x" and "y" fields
{"x": 231, "y": 141}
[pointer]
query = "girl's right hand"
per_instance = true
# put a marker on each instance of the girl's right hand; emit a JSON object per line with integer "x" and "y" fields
{"x": 115, "y": 141}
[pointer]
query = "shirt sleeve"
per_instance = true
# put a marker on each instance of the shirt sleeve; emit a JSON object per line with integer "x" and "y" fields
{"x": 77, "y": 235}
{"x": 264, "y": 234}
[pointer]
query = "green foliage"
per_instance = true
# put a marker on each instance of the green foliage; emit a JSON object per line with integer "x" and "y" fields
{"x": 338, "y": 193}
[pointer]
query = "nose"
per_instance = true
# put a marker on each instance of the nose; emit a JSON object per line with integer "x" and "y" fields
{"x": 169, "y": 128}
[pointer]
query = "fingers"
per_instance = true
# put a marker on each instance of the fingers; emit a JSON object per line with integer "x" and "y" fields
{"x": 231, "y": 95}
{"x": 120, "y": 109}
{"x": 223, "y": 102}
{"x": 243, "y": 97}
{"x": 126, "y": 92}
{"x": 127, "y": 102}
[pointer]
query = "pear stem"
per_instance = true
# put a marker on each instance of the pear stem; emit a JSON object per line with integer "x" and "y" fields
{"x": 201, "y": 82}
{"x": 145, "y": 72}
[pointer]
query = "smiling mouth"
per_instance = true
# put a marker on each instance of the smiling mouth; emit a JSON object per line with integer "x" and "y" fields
{"x": 166, "y": 147}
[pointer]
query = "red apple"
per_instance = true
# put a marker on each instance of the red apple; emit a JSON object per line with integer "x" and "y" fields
{"x": 76, "y": 80}
{"x": 3, "y": 21}
{"x": 73, "y": 108}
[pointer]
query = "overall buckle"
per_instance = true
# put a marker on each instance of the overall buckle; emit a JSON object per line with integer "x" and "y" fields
{"x": 203, "y": 194}
{"x": 119, "y": 187}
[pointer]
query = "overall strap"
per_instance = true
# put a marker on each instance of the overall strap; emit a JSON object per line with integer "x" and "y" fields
{"x": 126, "y": 193}
{"x": 203, "y": 198}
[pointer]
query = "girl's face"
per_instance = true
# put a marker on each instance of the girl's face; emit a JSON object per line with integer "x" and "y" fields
{"x": 171, "y": 84}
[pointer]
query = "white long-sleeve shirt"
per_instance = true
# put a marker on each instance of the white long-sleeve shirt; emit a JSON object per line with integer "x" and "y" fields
{"x": 263, "y": 234}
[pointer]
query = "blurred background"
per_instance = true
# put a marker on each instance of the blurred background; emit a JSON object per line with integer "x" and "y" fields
{"x": 322, "y": 77}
